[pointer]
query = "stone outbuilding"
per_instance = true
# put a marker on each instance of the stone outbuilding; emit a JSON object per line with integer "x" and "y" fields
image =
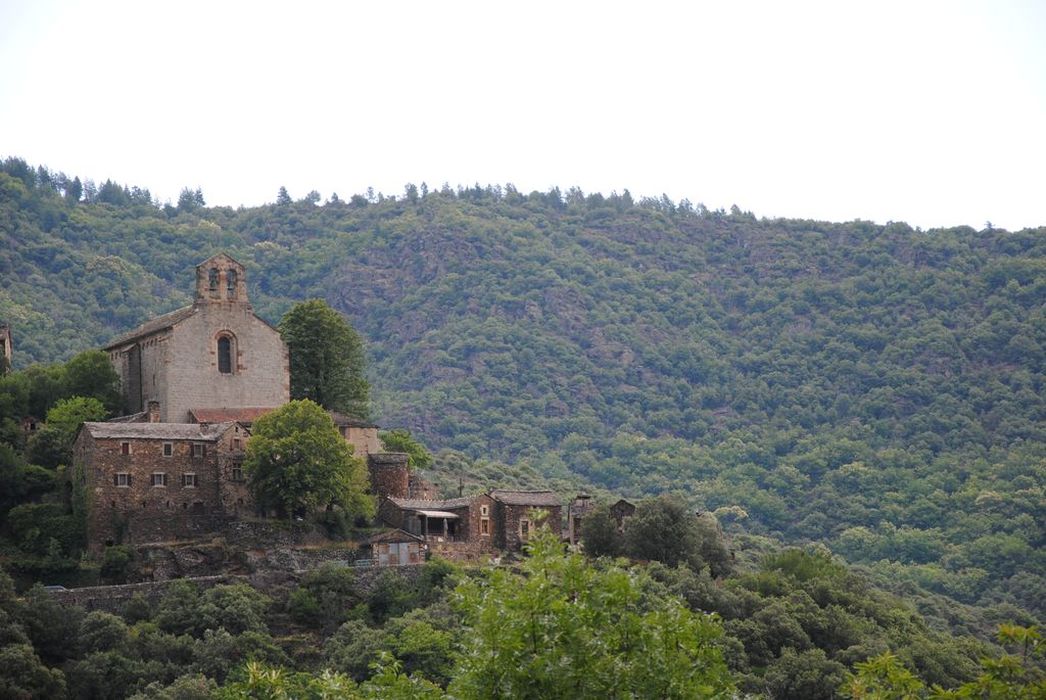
{"x": 578, "y": 509}
{"x": 396, "y": 548}
{"x": 621, "y": 511}
{"x": 517, "y": 513}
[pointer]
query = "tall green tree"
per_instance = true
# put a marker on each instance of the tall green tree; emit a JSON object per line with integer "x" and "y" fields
{"x": 53, "y": 444}
{"x": 327, "y": 361}
{"x": 400, "y": 440}
{"x": 599, "y": 534}
{"x": 297, "y": 461}
{"x": 91, "y": 374}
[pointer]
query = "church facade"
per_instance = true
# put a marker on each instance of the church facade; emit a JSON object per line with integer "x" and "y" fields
{"x": 213, "y": 355}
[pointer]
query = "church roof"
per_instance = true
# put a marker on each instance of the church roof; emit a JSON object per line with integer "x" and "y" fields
{"x": 151, "y": 326}
{"x": 525, "y": 498}
{"x": 219, "y": 256}
{"x": 157, "y": 431}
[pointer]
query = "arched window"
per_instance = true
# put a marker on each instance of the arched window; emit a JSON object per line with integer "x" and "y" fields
{"x": 230, "y": 283}
{"x": 225, "y": 354}
{"x": 212, "y": 279}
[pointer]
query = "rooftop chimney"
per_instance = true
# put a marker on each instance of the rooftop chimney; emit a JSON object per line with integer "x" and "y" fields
{"x": 154, "y": 411}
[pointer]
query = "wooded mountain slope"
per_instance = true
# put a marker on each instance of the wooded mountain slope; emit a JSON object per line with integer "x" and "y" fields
{"x": 875, "y": 387}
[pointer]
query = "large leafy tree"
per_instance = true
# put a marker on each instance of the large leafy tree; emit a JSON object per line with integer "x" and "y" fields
{"x": 663, "y": 529}
{"x": 565, "y": 629}
{"x": 327, "y": 360}
{"x": 91, "y": 374}
{"x": 400, "y": 440}
{"x": 297, "y": 461}
{"x": 53, "y": 444}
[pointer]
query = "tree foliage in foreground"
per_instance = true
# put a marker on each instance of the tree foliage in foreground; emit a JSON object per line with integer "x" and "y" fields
{"x": 563, "y": 628}
{"x": 297, "y": 461}
{"x": 326, "y": 358}
{"x": 1010, "y": 677}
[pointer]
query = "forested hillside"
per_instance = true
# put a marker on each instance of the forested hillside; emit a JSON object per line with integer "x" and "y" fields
{"x": 877, "y": 388}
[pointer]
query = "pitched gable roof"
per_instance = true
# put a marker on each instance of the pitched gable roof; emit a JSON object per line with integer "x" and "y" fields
{"x": 525, "y": 498}
{"x": 157, "y": 431}
{"x": 396, "y": 535}
{"x": 154, "y": 325}
{"x": 423, "y": 504}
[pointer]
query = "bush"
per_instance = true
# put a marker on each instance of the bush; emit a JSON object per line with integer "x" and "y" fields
{"x": 115, "y": 562}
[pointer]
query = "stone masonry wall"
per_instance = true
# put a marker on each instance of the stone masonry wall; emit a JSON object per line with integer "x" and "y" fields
{"x": 510, "y": 517}
{"x": 261, "y": 376}
{"x": 140, "y": 511}
{"x": 114, "y": 599}
{"x": 389, "y": 476}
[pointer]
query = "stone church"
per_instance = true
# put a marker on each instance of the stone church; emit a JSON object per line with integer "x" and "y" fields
{"x": 213, "y": 355}
{"x": 194, "y": 379}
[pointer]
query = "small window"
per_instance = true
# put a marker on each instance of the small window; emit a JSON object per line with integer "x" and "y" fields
{"x": 237, "y": 474}
{"x": 125, "y": 448}
{"x": 236, "y": 443}
{"x": 159, "y": 479}
{"x": 122, "y": 479}
{"x": 524, "y": 529}
{"x": 168, "y": 449}
{"x": 484, "y": 526}
{"x": 190, "y": 480}
{"x": 199, "y": 450}
{"x": 212, "y": 279}
{"x": 484, "y": 510}
{"x": 225, "y": 355}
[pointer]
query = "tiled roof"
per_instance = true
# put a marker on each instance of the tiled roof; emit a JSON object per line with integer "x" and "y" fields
{"x": 142, "y": 417}
{"x": 152, "y": 326}
{"x": 526, "y": 498}
{"x": 422, "y": 504}
{"x": 157, "y": 431}
{"x": 246, "y": 414}
{"x": 394, "y": 536}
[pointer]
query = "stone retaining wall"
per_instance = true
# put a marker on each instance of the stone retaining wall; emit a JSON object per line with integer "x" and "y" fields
{"x": 114, "y": 599}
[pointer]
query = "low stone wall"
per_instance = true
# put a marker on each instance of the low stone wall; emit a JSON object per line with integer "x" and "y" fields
{"x": 270, "y": 533}
{"x": 473, "y": 551}
{"x": 114, "y": 599}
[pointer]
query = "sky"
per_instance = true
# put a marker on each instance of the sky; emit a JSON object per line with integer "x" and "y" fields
{"x": 932, "y": 113}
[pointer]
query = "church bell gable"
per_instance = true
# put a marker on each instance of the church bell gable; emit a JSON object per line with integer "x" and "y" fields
{"x": 220, "y": 279}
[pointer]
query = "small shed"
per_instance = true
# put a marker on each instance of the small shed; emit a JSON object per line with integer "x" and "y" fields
{"x": 396, "y": 548}
{"x": 622, "y": 511}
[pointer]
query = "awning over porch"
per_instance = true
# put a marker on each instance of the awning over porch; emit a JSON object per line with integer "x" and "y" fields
{"x": 437, "y": 514}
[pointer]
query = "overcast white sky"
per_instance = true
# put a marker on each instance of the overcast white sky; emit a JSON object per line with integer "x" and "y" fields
{"x": 932, "y": 113}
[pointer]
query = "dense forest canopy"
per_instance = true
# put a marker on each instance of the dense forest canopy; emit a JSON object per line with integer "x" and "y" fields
{"x": 874, "y": 387}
